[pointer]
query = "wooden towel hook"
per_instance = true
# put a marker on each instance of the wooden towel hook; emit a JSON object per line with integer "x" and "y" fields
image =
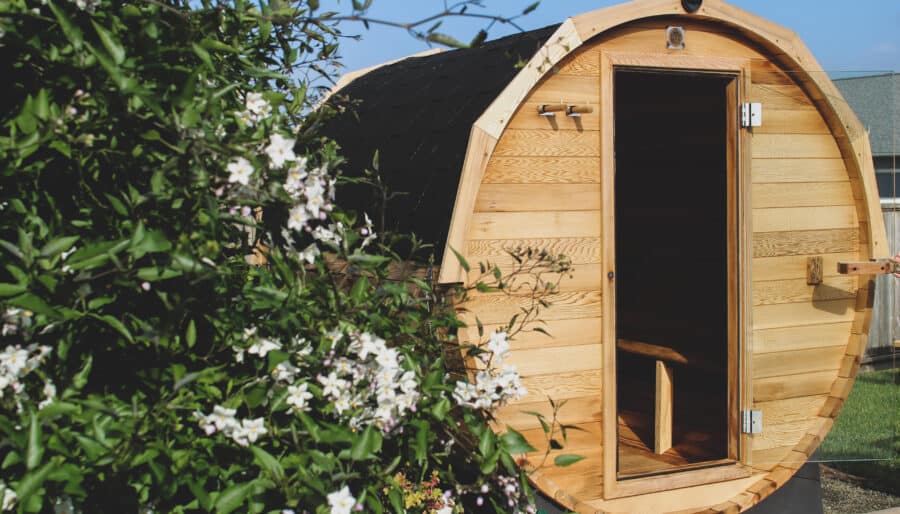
{"x": 551, "y": 109}
{"x": 575, "y": 111}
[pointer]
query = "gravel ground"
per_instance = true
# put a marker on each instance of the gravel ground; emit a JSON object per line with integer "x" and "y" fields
{"x": 841, "y": 494}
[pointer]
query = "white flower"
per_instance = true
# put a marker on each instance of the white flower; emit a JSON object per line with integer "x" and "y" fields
{"x": 309, "y": 254}
{"x": 223, "y": 418}
{"x": 499, "y": 346}
{"x": 9, "y": 498}
{"x": 285, "y": 372}
{"x": 341, "y": 502}
{"x": 207, "y": 424}
{"x": 280, "y": 150}
{"x": 240, "y": 170}
{"x": 446, "y": 509}
{"x": 250, "y": 430}
{"x": 49, "y": 395}
{"x": 293, "y": 185}
{"x": 298, "y": 396}
{"x": 14, "y": 359}
{"x": 263, "y": 346}
{"x": 257, "y": 105}
{"x": 298, "y": 217}
{"x": 332, "y": 385}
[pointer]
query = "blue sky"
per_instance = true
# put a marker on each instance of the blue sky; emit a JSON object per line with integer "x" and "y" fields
{"x": 847, "y": 36}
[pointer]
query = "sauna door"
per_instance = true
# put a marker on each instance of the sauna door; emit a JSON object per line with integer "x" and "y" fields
{"x": 675, "y": 254}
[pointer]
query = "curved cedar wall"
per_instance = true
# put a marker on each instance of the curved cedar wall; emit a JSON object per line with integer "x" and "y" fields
{"x": 541, "y": 188}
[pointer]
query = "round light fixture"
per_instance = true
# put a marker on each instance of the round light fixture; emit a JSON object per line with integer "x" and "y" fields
{"x": 691, "y": 6}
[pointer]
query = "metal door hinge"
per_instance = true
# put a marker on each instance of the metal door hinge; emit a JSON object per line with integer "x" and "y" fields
{"x": 751, "y": 115}
{"x": 752, "y": 422}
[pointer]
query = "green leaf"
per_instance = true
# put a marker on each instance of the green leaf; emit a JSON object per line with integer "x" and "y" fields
{"x": 80, "y": 378}
{"x": 233, "y": 497}
{"x": 35, "y": 444}
{"x": 203, "y": 55}
{"x": 115, "y": 48}
{"x": 190, "y": 336}
{"x": 567, "y": 459}
{"x": 441, "y": 408}
{"x": 515, "y": 443}
{"x": 531, "y": 8}
{"x": 11, "y": 289}
{"x": 487, "y": 443}
{"x": 444, "y": 39}
{"x": 33, "y": 481}
{"x": 58, "y": 245}
{"x": 72, "y": 32}
{"x": 35, "y": 304}
{"x": 462, "y": 260}
{"x": 367, "y": 444}
{"x": 268, "y": 462}
{"x": 116, "y": 324}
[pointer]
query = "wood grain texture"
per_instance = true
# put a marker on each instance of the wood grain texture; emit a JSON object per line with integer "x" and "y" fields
{"x": 579, "y": 250}
{"x": 566, "y": 89}
{"x": 562, "y": 332}
{"x": 562, "y": 386}
{"x": 798, "y": 314}
{"x": 807, "y": 242}
{"x": 797, "y": 362}
{"x": 802, "y": 337}
{"x": 543, "y": 170}
{"x": 804, "y": 218}
{"x": 785, "y": 121}
{"x": 797, "y": 291}
{"x": 782, "y": 171}
{"x": 792, "y": 386}
{"x": 662, "y": 402}
{"x": 538, "y": 197}
{"x": 782, "y": 97}
{"x": 500, "y": 308}
{"x": 548, "y": 361}
{"x": 795, "y": 146}
{"x": 791, "y": 410}
{"x": 548, "y": 143}
{"x": 802, "y": 194}
{"x": 544, "y": 224}
{"x": 576, "y": 410}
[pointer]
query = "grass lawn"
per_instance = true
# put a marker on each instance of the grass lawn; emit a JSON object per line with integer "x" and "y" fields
{"x": 865, "y": 439}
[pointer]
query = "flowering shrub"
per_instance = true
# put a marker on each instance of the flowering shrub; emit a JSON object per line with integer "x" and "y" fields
{"x": 190, "y": 321}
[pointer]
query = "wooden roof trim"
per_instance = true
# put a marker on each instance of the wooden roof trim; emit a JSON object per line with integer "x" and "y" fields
{"x": 478, "y": 152}
{"x": 350, "y": 76}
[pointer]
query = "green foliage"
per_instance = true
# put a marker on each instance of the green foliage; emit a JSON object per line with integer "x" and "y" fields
{"x": 125, "y": 236}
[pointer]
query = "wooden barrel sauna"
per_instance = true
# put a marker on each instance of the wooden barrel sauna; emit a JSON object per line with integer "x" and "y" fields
{"x": 705, "y": 177}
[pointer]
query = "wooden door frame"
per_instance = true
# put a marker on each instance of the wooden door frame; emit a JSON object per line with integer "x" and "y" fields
{"x": 739, "y": 264}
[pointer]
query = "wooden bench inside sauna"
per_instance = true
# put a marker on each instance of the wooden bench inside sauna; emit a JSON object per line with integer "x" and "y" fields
{"x": 717, "y": 198}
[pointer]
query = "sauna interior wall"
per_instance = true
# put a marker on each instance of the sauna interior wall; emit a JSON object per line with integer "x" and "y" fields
{"x": 541, "y": 188}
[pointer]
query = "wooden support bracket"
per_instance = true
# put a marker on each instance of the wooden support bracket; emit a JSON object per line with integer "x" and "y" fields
{"x": 875, "y": 267}
{"x": 814, "y": 270}
{"x": 662, "y": 440}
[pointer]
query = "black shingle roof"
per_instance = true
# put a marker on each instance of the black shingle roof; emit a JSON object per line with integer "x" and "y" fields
{"x": 418, "y": 113}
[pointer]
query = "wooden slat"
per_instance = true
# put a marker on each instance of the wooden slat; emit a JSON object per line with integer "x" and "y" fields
{"x": 563, "y": 332}
{"x": 520, "y": 225}
{"x": 563, "y": 359}
{"x": 528, "y": 118}
{"x": 700, "y": 42}
{"x": 802, "y": 194}
{"x": 796, "y": 291}
{"x": 538, "y": 197}
{"x": 586, "y": 437}
{"x": 792, "y": 386}
{"x": 805, "y": 242}
{"x": 799, "y": 170}
{"x": 582, "y": 481}
{"x": 577, "y": 250}
{"x": 801, "y": 408}
{"x": 797, "y": 361}
{"x": 804, "y": 218}
{"x": 799, "y": 338}
{"x": 585, "y": 62}
{"x": 500, "y": 308}
{"x": 798, "y": 314}
{"x": 566, "y": 89}
{"x": 543, "y": 170}
{"x": 765, "y": 71}
{"x": 780, "y": 435}
{"x": 794, "y": 266}
{"x": 779, "y": 97}
{"x": 562, "y": 386}
{"x": 662, "y": 419}
{"x": 677, "y": 498}
{"x": 549, "y": 143}
{"x": 794, "y": 146}
{"x": 777, "y": 121}
{"x": 576, "y": 410}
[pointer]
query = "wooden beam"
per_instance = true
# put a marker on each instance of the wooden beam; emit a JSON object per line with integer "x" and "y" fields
{"x": 662, "y": 440}
{"x": 879, "y": 267}
{"x": 814, "y": 270}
